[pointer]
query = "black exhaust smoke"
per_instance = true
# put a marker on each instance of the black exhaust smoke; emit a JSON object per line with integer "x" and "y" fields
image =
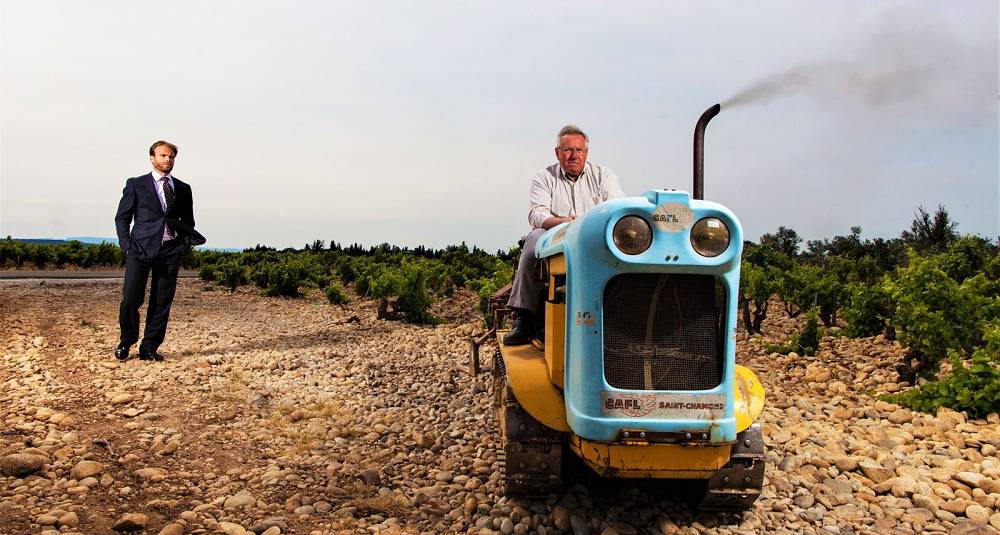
{"x": 699, "y": 151}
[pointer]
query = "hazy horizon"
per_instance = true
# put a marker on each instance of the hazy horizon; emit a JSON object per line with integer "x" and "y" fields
{"x": 422, "y": 124}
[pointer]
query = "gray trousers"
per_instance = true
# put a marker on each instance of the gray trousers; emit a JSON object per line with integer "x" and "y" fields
{"x": 526, "y": 292}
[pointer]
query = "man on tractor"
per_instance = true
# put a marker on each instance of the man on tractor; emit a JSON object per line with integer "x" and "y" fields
{"x": 559, "y": 193}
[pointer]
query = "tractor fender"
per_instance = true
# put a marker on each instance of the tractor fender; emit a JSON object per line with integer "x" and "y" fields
{"x": 528, "y": 377}
{"x": 748, "y": 402}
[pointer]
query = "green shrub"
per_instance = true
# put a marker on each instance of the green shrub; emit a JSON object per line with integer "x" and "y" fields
{"x": 868, "y": 310}
{"x": 966, "y": 257}
{"x": 414, "y": 300}
{"x": 207, "y": 274}
{"x": 280, "y": 278}
{"x": 335, "y": 295}
{"x": 231, "y": 274}
{"x": 975, "y": 388}
{"x": 932, "y": 313}
{"x": 485, "y": 287}
{"x": 805, "y": 342}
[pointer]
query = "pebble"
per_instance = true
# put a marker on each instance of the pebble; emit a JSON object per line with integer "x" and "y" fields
{"x": 85, "y": 469}
{"x": 240, "y": 499}
{"x": 21, "y": 464}
{"x": 131, "y": 522}
{"x": 172, "y": 529}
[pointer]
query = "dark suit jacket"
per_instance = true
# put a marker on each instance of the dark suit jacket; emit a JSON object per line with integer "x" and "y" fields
{"x": 141, "y": 204}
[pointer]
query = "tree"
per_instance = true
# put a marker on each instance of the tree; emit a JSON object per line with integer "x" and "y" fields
{"x": 757, "y": 284}
{"x": 784, "y": 240}
{"x": 929, "y": 234}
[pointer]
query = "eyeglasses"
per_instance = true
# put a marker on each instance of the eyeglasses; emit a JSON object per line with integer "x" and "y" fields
{"x": 571, "y": 150}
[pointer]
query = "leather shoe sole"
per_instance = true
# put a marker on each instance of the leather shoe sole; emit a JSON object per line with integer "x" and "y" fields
{"x": 150, "y": 356}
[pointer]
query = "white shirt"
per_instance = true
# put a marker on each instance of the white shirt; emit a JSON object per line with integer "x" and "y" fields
{"x": 555, "y": 194}
{"x": 158, "y": 185}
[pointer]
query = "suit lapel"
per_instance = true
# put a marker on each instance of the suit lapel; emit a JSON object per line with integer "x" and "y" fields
{"x": 150, "y": 187}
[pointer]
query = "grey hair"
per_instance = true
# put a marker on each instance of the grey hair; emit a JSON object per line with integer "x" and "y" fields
{"x": 571, "y": 130}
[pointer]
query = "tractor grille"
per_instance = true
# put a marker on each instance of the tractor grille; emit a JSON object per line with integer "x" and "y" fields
{"x": 664, "y": 332}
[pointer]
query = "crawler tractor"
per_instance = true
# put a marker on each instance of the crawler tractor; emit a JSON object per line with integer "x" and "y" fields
{"x": 637, "y": 375}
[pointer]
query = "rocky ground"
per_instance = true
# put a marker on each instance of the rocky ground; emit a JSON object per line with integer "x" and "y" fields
{"x": 293, "y": 416}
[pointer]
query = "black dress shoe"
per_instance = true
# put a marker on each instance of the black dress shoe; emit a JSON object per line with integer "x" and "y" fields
{"x": 150, "y": 355}
{"x": 121, "y": 353}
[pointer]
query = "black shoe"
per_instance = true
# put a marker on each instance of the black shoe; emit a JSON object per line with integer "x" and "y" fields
{"x": 523, "y": 331}
{"x": 121, "y": 352}
{"x": 149, "y": 355}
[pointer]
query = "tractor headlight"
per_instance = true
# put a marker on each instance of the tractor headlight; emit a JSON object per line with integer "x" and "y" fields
{"x": 632, "y": 234}
{"x": 710, "y": 237}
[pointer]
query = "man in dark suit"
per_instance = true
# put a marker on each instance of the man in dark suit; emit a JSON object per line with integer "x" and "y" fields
{"x": 162, "y": 209}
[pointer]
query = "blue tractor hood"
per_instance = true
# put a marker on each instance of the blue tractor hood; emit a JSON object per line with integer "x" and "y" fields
{"x": 597, "y": 410}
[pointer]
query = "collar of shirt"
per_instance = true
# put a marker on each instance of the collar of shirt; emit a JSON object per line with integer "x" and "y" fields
{"x": 157, "y": 176}
{"x": 571, "y": 180}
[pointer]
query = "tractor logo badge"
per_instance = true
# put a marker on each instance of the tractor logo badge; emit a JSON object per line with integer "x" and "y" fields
{"x": 672, "y": 217}
{"x": 630, "y": 405}
{"x": 585, "y": 318}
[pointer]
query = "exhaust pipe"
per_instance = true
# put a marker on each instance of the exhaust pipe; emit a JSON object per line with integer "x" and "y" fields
{"x": 699, "y": 151}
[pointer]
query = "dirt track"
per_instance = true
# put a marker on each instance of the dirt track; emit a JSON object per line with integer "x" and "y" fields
{"x": 301, "y": 417}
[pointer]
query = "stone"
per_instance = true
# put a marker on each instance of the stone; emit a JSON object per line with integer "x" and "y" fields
{"x": 230, "y": 528}
{"x": 85, "y": 469}
{"x": 903, "y": 487}
{"x": 667, "y": 526}
{"x": 580, "y": 526}
{"x": 971, "y": 479}
{"x": 370, "y": 476}
{"x": 804, "y": 501}
{"x": 22, "y": 464}
{"x": 152, "y": 475}
{"x": 875, "y": 472}
{"x": 926, "y": 501}
{"x": 900, "y": 416}
{"x": 273, "y": 530}
{"x": 839, "y": 487}
{"x": 46, "y": 520}
{"x": 977, "y": 513}
{"x": 968, "y": 527}
{"x": 278, "y": 522}
{"x": 131, "y": 522}
{"x": 240, "y": 499}
{"x": 956, "y": 506}
{"x": 918, "y": 514}
{"x": 846, "y": 464}
{"x": 560, "y": 517}
{"x": 70, "y": 520}
{"x": 172, "y": 529}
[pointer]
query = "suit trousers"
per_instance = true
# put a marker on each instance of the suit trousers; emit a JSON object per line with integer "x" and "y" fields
{"x": 526, "y": 292}
{"x": 164, "y": 267}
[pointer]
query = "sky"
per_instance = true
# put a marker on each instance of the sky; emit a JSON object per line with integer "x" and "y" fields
{"x": 422, "y": 123}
